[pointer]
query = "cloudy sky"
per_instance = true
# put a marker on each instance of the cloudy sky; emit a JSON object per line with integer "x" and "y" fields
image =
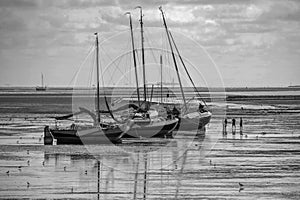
{"x": 252, "y": 42}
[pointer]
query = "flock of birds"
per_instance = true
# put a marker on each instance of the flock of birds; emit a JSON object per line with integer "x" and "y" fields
{"x": 241, "y": 186}
{"x": 43, "y": 164}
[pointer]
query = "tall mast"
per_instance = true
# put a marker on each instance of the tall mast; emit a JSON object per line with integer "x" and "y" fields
{"x": 134, "y": 59}
{"x": 98, "y": 87}
{"x": 143, "y": 53}
{"x": 173, "y": 56}
{"x": 186, "y": 70}
{"x": 161, "y": 84}
{"x": 42, "y": 79}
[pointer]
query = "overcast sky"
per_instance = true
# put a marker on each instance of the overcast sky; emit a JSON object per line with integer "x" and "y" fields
{"x": 253, "y": 43}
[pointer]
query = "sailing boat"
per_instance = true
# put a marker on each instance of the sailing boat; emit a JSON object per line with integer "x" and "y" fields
{"x": 144, "y": 122}
{"x": 98, "y": 134}
{"x": 188, "y": 120}
{"x": 42, "y": 87}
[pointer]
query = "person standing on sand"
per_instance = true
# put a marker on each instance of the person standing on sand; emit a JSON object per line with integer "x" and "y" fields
{"x": 233, "y": 126}
{"x": 241, "y": 126}
{"x": 225, "y": 126}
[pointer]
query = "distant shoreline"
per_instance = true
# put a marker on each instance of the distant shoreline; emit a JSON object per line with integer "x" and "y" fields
{"x": 200, "y": 89}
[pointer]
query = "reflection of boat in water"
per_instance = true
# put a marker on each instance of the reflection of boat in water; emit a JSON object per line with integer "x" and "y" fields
{"x": 42, "y": 87}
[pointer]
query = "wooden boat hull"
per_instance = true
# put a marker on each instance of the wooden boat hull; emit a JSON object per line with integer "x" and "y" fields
{"x": 160, "y": 129}
{"x": 87, "y": 136}
{"x": 194, "y": 123}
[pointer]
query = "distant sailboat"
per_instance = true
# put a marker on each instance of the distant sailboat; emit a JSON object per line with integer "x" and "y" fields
{"x": 42, "y": 87}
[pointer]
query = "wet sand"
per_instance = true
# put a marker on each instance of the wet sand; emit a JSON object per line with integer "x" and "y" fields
{"x": 265, "y": 159}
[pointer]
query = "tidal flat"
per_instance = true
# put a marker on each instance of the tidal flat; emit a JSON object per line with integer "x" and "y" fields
{"x": 265, "y": 159}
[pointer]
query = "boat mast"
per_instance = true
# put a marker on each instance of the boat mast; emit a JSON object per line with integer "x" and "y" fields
{"x": 98, "y": 87}
{"x": 173, "y": 56}
{"x": 186, "y": 70}
{"x": 143, "y": 53}
{"x": 134, "y": 58}
{"x": 161, "y": 84}
{"x": 42, "y": 79}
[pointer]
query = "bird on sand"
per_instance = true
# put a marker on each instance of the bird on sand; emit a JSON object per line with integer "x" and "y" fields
{"x": 28, "y": 184}
{"x": 28, "y": 162}
{"x": 65, "y": 168}
{"x": 241, "y": 187}
{"x": 85, "y": 172}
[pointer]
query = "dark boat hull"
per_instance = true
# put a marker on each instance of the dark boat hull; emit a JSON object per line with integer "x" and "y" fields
{"x": 157, "y": 130}
{"x": 40, "y": 88}
{"x": 192, "y": 124}
{"x": 88, "y": 136}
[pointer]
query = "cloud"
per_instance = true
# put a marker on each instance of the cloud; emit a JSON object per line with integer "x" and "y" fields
{"x": 17, "y": 3}
{"x": 233, "y": 28}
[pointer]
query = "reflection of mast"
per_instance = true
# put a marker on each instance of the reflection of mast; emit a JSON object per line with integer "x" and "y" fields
{"x": 98, "y": 182}
{"x": 136, "y": 176}
{"x": 179, "y": 174}
{"x": 145, "y": 176}
{"x": 173, "y": 56}
{"x": 134, "y": 58}
{"x": 143, "y": 53}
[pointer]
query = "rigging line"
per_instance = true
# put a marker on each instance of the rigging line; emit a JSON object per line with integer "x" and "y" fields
{"x": 104, "y": 93}
{"x": 113, "y": 62}
{"x": 148, "y": 41}
{"x": 91, "y": 72}
{"x": 91, "y": 49}
{"x": 183, "y": 64}
{"x": 168, "y": 56}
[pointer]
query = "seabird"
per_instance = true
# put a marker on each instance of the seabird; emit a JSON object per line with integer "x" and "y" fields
{"x": 28, "y": 162}
{"x": 7, "y": 173}
{"x": 43, "y": 163}
{"x": 85, "y": 172}
{"x": 28, "y": 184}
{"x": 27, "y": 151}
{"x": 65, "y": 168}
{"x": 241, "y": 185}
